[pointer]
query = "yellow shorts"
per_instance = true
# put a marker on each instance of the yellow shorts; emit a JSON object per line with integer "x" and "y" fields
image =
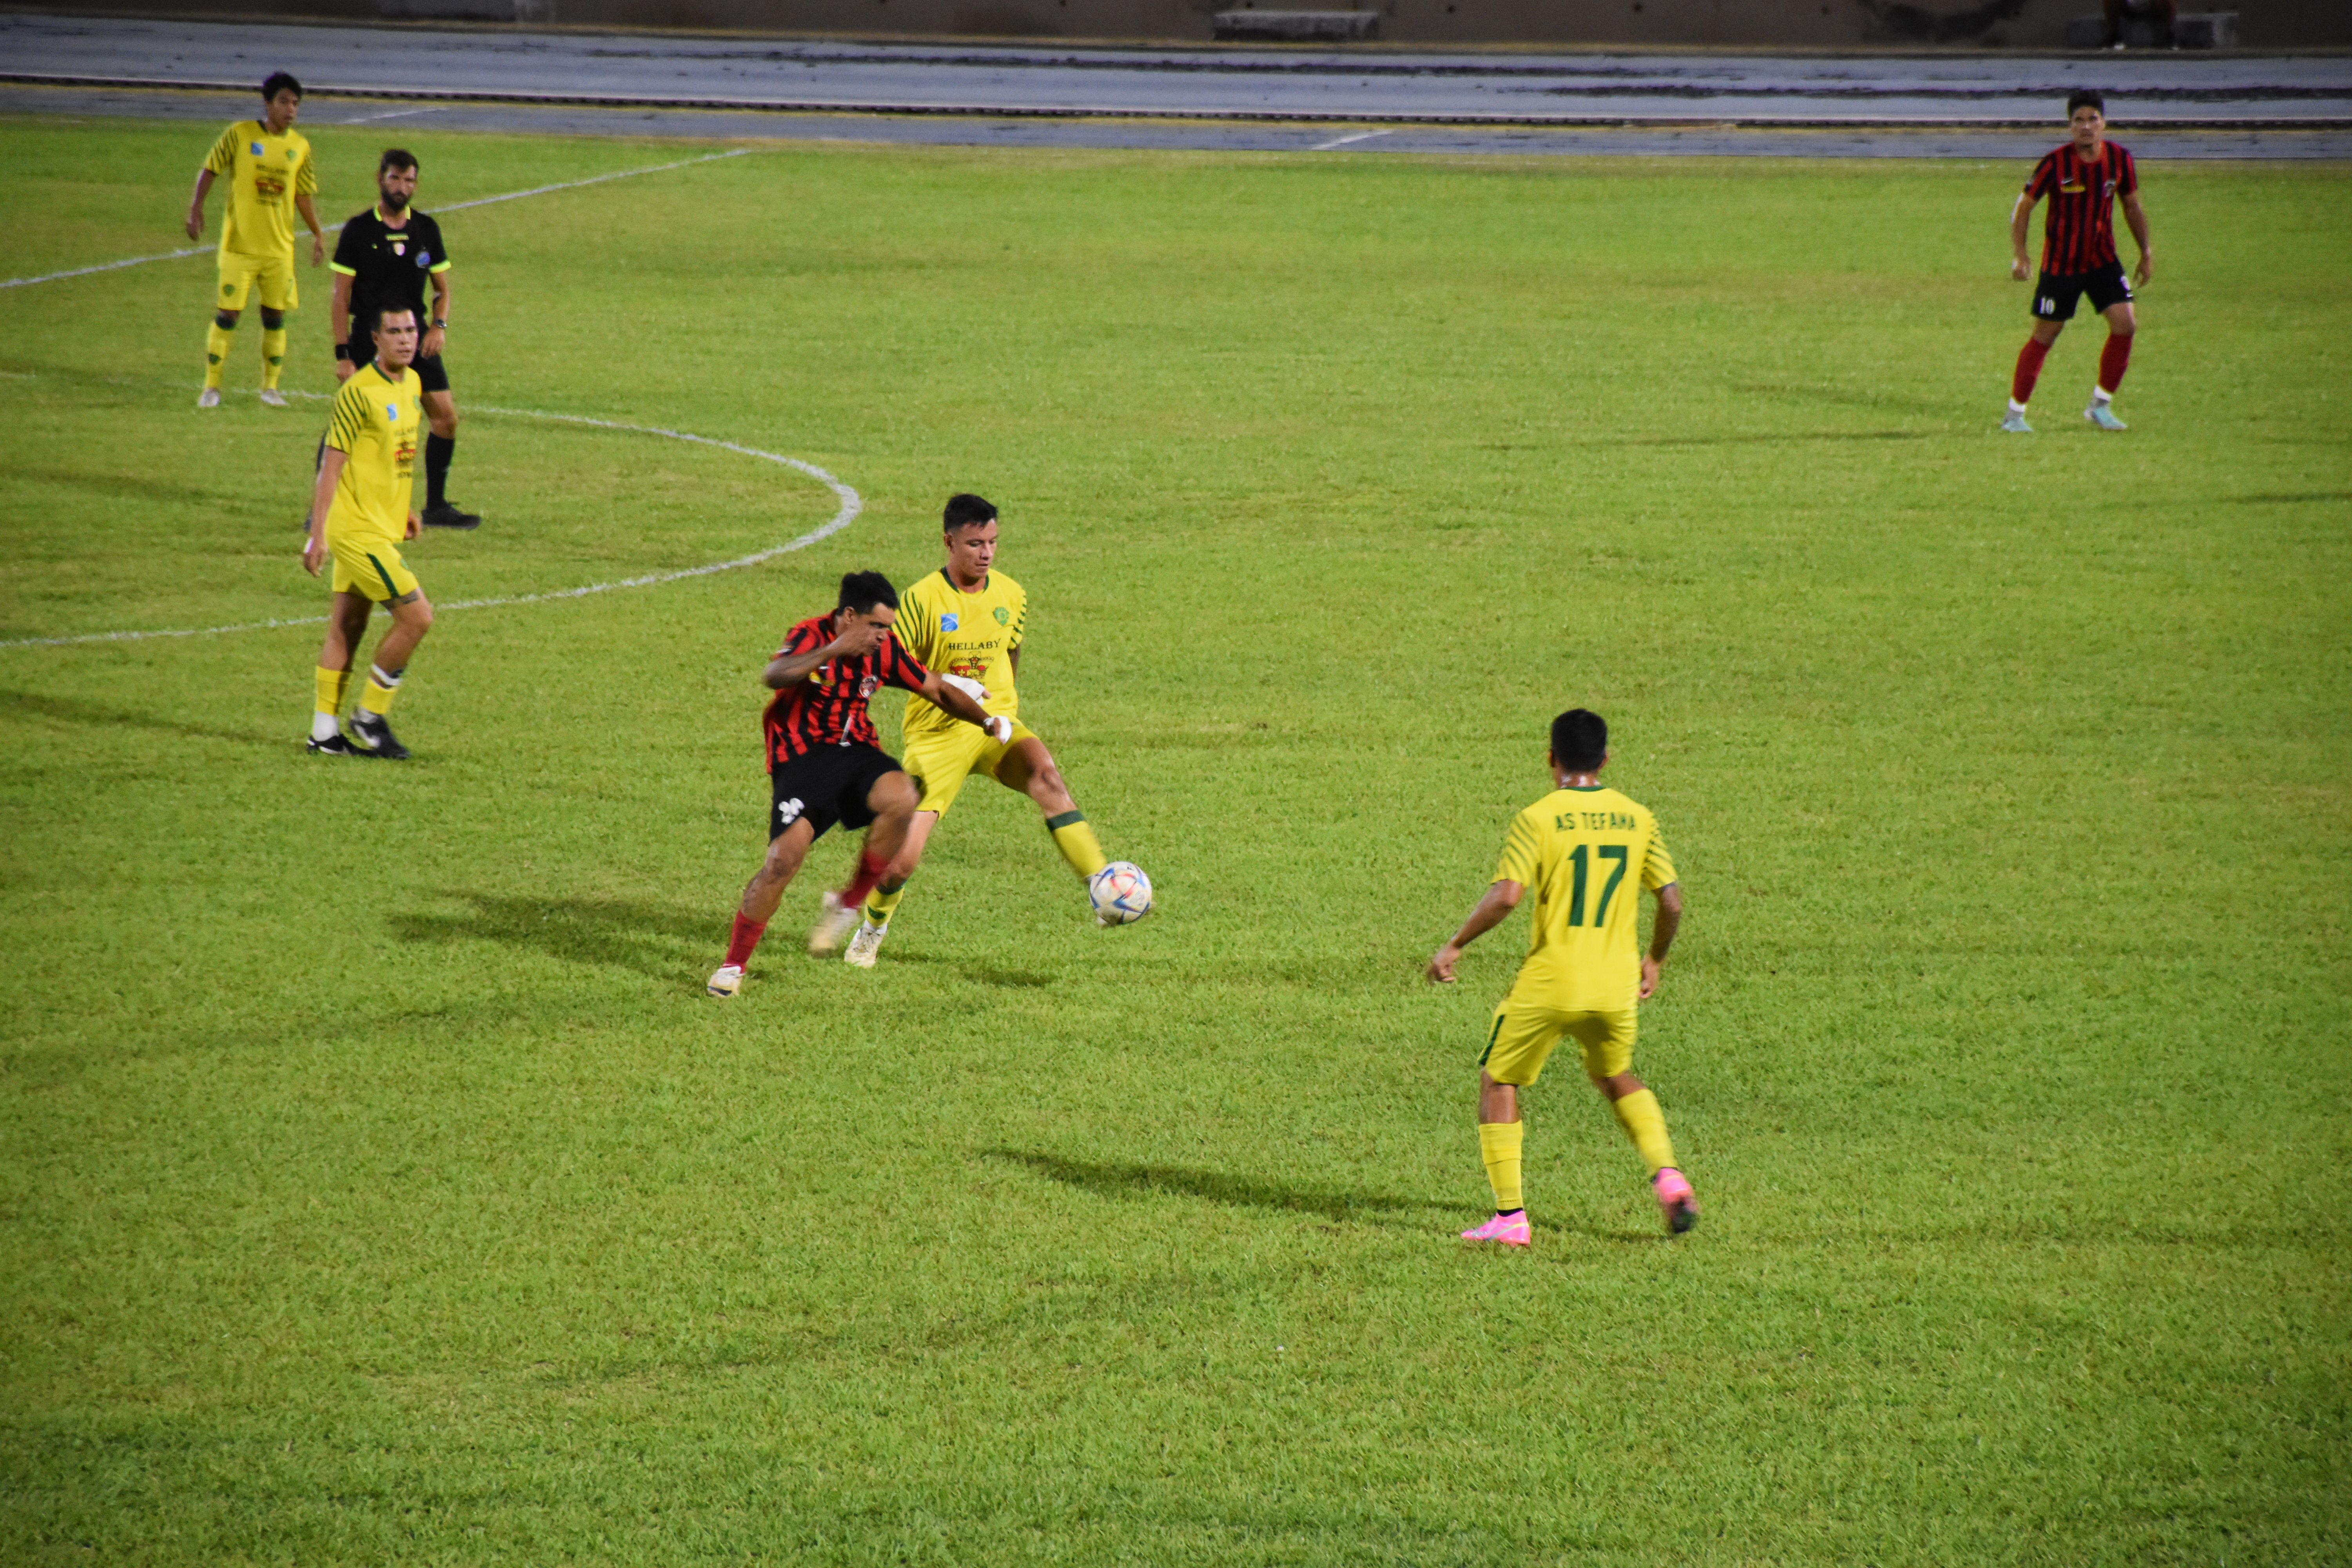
{"x": 370, "y": 566}
{"x": 239, "y": 273}
{"x": 939, "y": 761}
{"x": 1525, "y": 1033}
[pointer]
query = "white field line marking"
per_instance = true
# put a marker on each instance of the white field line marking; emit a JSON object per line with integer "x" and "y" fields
{"x": 103, "y": 266}
{"x": 1343, "y": 141}
{"x": 453, "y": 207}
{"x": 392, "y": 114}
{"x": 851, "y": 505}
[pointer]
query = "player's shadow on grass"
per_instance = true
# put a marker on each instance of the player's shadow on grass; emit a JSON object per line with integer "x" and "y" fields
{"x": 1130, "y": 1180}
{"x": 74, "y": 711}
{"x": 616, "y": 933}
{"x": 1757, "y": 438}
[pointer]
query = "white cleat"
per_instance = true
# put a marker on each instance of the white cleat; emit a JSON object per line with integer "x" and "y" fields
{"x": 208, "y": 398}
{"x": 867, "y": 945}
{"x": 273, "y": 397}
{"x": 834, "y": 921}
{"x": 726, "y": 979}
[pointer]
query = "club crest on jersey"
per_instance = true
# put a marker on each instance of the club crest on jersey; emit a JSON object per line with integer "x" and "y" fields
{"x": 949, "y": 623}
{"x": 868, "y": 687}
{"x": 1003, "y": 616}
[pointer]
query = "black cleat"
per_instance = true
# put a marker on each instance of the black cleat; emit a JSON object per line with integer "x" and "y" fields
{"x": 441, "y": 514}
{"x": 338, "y": 747}
{"x": 375, "y": 739}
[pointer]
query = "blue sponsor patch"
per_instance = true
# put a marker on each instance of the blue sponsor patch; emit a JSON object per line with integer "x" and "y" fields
{"x": 392, "y": 410}
{"x": 259, "y": 150}
{"x": 947, "y": 622}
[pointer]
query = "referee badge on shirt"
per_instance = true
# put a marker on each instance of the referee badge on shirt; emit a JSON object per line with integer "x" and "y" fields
{"x": 400, "y": 247}
{"x": 424, "y": 258}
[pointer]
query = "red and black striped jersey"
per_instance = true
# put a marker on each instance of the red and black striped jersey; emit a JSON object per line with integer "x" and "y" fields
{"x": 2078, "y": 233}
{"x": 828, "y": 707}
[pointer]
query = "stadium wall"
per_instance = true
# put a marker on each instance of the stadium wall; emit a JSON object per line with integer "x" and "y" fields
{"x": 1737, "y": 23}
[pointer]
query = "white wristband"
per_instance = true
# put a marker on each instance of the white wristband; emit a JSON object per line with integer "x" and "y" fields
{"x": 965, "y": 684}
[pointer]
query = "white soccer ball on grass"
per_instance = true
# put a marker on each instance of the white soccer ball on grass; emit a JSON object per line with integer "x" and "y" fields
{"x": 1122, "y": 893}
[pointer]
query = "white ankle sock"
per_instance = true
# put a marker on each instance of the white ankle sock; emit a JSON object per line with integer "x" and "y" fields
{"x": 324, "y": 727}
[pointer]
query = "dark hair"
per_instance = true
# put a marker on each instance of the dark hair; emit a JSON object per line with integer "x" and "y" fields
{"x": 2083, "y": 97}
{"x": 861, "y": 591}
{"x": 278, "y": 83}
{"x": 383, "y": 311}
{"x": 1580, "y": 740}
{"x": 396, "y": 158}
{"x": 964, "y": 509}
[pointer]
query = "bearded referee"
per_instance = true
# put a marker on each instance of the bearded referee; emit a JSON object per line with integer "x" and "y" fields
{"x": 383, "y": 260}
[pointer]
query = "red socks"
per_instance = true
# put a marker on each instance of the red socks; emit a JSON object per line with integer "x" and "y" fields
{"x": 2028, "y": 370}
{"x": 747, "y": 936}
{"x": 869, "y": 875}
{"x": 2112, "y": 361}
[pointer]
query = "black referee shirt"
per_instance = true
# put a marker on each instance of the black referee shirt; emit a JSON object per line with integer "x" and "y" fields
{"x": 388, "y": 267}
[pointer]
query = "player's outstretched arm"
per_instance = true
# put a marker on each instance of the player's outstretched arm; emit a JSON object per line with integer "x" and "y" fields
{"x": 1502, "y": 896}
{"x": 949, "y": 692}
{"x": 2020, "y": 225}
{"x": 2136, "y": 215}
{"x": 1662, "y": 936}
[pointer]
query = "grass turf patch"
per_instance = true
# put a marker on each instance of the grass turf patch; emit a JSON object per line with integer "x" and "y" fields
{"x": 378, "y": 1182}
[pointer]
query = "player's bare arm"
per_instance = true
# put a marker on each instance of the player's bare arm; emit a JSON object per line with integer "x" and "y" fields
{"x": 2136, "y": 216}
{"x": 195, "y": 224}
{"x": 2021, "y": 229}
{"x": 339, "y": 317}
{"x": 309, "y": 208}
{"x": 1501, "y": 897}
{"x": 1662, "y": 936}
{"x": 322, "y": 496}
{"x": 854, "y": 636}
{"x": 438, "y": 332}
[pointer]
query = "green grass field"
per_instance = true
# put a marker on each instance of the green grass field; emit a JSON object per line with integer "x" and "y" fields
{"x": 376, "y": 1182}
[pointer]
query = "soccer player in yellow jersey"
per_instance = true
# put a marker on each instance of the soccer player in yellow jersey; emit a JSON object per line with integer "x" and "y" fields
{"x": 966, "y": 621}
{"x": 1582, "y": 848}
{"x": 270, "y": 177}
{"x": 360, "y": 513}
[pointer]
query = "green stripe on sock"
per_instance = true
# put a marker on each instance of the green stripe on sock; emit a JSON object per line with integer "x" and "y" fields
{"x": 1056, "y": 824}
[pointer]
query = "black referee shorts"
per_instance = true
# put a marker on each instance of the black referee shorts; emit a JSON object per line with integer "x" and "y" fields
{"x": 2055, "y": 293}
{"x": 824, "y": 787}
{"x": 429, "y": 374}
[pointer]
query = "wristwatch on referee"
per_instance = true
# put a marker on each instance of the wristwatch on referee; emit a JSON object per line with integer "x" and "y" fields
{"x": 440, "y": 326}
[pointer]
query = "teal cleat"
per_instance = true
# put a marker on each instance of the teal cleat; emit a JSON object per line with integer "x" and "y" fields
{"x": 2103, "y": 414}
{"x": 2014, "y": 422}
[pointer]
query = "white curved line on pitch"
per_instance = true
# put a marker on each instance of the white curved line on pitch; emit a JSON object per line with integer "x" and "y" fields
{"x": 851, "y": 505}
{"x": 453, "y": 207}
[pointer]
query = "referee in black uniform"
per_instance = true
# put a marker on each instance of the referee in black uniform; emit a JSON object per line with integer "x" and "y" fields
{"x": 383, "y": 260}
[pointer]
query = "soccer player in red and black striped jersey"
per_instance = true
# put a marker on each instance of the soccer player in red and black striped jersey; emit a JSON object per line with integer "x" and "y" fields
{"x": 826, "y": 764}
{"x": 2082, "y": 180}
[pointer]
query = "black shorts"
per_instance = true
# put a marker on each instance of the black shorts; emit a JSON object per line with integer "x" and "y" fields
{"x": 824, "y": 787}
{"x": 430, "y": 376}
{"x": 2054, "y": 293}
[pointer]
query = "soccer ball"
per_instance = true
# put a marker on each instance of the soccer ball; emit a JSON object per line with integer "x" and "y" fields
{"x": 1122, "y": 893}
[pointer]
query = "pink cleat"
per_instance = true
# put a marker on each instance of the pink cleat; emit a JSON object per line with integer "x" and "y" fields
{"x": 1510, "y": 1229}
{"x": 1676, "y": 1198}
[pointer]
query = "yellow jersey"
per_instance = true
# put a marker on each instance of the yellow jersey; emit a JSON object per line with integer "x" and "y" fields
{"x": 265, "y": 174}
{"x": 375, "y": 425}
{"x": 970, "y": 635}
{"x": 1578, "y": 851}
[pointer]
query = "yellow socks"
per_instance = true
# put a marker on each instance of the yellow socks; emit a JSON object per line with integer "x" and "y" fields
{"x": 1646, "y": 1125}
{"x": 273, "y": 355}
{"x": 879, "y": 908}
{"x": 217, "y": 343}
{"x": 1498, "y": 1145}
{"x": 380, "y": 690}
{"x": 333, "y": 684}
{"x": 1077, "y": 843}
